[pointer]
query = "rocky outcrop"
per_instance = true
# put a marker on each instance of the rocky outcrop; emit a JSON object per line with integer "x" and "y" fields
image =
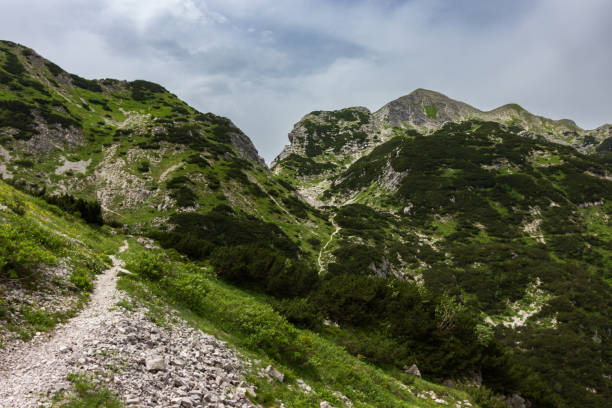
{"x": 343, "y": 133}
{"x": 412, "y": 370}
{"x": 423, "y": 109}
{"x": 245, "y": 147}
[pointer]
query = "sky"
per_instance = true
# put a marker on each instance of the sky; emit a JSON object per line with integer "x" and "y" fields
{"x": 266, "y": 63}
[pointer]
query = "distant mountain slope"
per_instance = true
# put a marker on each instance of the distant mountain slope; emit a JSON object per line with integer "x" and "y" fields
{"x": 323, "y": 142}
{"x": 514, "y": 224}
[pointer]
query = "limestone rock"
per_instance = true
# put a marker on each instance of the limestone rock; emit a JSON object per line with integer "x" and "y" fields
{"x": 412, "y": 370}
{"x": 274, "y": 373}
{"x": 155, "y": 363}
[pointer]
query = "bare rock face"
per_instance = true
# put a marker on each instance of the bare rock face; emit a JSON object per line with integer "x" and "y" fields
{"x": 274, "y": 373}
{"x": 343, "y": 132}
{"x": 423, "y": 108}
{"x": 516, "y": 401}
{"x": 245, "y": 147}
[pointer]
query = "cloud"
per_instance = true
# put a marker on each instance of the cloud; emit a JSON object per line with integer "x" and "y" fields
{"x": 266, "y": 63}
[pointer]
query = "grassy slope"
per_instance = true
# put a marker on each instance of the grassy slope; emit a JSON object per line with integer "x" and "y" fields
{"x": 34, "y": 233}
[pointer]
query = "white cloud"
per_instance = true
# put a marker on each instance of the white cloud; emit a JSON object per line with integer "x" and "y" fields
{"x": 142, "y": 13}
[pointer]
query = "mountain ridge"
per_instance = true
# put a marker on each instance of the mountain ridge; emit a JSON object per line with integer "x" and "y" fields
{"x": 426, "y": 110}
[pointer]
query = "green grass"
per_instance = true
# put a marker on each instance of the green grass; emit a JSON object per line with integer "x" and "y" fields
{"x": 431, "y": 111}
{"x": 85, "y": 393}
{"x": 34, "y": 234}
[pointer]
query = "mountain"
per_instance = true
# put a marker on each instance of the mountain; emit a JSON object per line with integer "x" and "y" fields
{"x": 426, "y": 238}
{"x": 498, "y": 210}
{"x": 325, "y": 141}
{"x": 149, "y": 159}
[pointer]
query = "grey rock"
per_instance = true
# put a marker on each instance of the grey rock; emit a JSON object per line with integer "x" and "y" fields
{"x": 516, "y": 401}
{"x": 274, "y": 373}
{"x": 412, "y": 370}
{"x": 155, "y": 363}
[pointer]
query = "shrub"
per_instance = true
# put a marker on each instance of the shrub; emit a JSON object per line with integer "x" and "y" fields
{"x": 144, "y": 90}
{"x": 184, "y": 196}
{"x": 88, "y": 84}
{"x": 264, "y": 268}
{"x": 80, "y": 278}
{"x": 12, "y": 64}
{"x": 90, "y": 211}
{"x": 17, "y": 115}
{"x": 24, "y": 247}
{"x": 190, "y": 288}
{"x": 53, "y": 68}
{"x": 144, "y": 166}
{"x": 149, "y": 265}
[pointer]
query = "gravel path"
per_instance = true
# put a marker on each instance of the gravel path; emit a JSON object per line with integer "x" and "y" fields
{"x": 147, "y": 366}
{"x": 331, "y": 238}
{"x": 33, "y": 369}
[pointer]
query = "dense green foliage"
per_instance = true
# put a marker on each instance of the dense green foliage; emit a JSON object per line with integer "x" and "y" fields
{"x": 89, "y": 84}
{"x": 222, "y": 227}
{"x": 24, "y": 247}
{"x": 305, "y": 166}
{"x": 90, "y": 211}
{"x": 480, "y": 184}
{"x": 265, "y": 268}
{"x": 144, "y": 90}
{"x": 149, "y": 266}
{"x": 180, "y": 191}
{"x": 17, "y": 115}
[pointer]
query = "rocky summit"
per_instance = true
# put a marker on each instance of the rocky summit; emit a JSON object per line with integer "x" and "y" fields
{"x": 427, "y": 254}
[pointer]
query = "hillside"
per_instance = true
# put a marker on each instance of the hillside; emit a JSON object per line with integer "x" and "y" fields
{"x": 429, "y": 238}
{"x": 92, "y": 317}
{"x": 149, "y": 159}
{"x": 511, "y": 224}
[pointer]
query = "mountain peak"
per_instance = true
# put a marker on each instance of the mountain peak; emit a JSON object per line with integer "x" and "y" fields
{"x": 424, "y": 108}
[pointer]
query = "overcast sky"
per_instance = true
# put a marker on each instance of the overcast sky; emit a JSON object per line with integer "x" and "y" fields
{"x": 266, "y": 63}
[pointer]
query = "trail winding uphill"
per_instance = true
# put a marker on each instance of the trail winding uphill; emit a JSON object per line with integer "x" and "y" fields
{"x": 144, "y": 364}
{"x": 331, "y": 238}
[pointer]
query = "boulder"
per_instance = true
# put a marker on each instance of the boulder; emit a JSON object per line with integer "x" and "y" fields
{"x": 516, "y": 401}
{"x": 155, "y": 363}
{"x": 413, "y": 370}
{"x": 274, "y": 373}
